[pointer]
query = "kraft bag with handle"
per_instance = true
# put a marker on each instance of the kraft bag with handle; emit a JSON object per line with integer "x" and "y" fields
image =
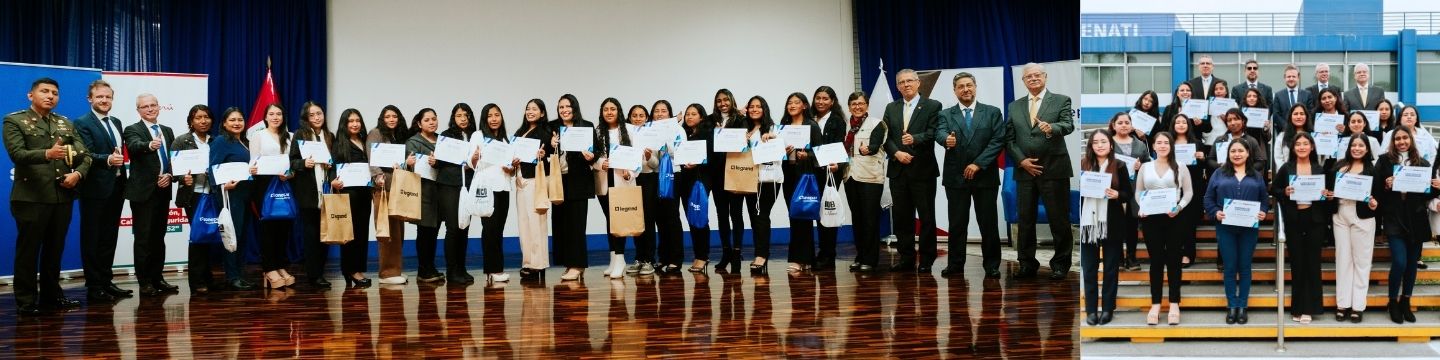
{"x": 555, "y": 183}
{"x": 742, "y": 176}
{"x": 541, "y": 202}
{"x": 382, "y": 214}
{"x": 405, "y": 193}
{"x": 627, "y": 211}
{"x": 336, "y": 226}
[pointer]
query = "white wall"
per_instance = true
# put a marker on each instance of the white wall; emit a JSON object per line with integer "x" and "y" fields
{"x": 437, "y": 53}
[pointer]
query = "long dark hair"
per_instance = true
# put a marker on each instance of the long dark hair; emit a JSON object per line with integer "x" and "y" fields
{"x": 342, "y": 126}
{"x": 240, "y": 137}
{"x": 632, "y": 111}
{"x": 1414, "y": 153}
{"x": 399, "y": 133}
{"x": 415, "y": 121}
{"x": 574, "y": 108}
{"x": 1387, "y": 123}
{"x": 1229, "y": 166}
{"x": 306, "y": 132}
{"x": 602, "y": 129}
{"x": 702, "y": 126}
{"x": 282, "y": 133}
{"x": 1168, "y": 159}
{"x": 1290, "y": 130}
{"x": 734, "y": 113}
{"x": 343, "y": 137}
{"x": 1339, "y": 100}
{"x": 540, "y": 121}
{"x": 835, "y": 106}
{"x": 1091, "y": 161}
{"x": 1175, "y": 101}
{"x": 455, "y": 129}
{"x": 657, "y": 105}
{"x": 1344, "y": 164}
{"x": 804, "y": 112}
{"x": 765, "y": 121}
{"x": 1154, "y": 110}
{"x": 1314, "y": 158}
{"x": 484, "y": 123}
{"x": 1218, "y": 84}
{"x": 1352, "y": 115}
{"x": 1260, "y": 101}
{"x": 1191, "y": 136}
{"x": 195, "y": 111}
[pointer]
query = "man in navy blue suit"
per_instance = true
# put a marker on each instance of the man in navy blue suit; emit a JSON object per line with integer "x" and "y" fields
{"x": 101, "y": 194}
{"x": 1289, "y": 96}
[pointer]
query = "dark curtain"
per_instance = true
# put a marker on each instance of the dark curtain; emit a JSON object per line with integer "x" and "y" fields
{"x": 939, "y": 34}
{"x": 228, "y": 40}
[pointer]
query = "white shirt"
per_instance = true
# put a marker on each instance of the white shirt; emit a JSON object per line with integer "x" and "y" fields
{"x": 158, "y": 134}
{"x": 202, "y": 186}
{"x": 1037, "y": 98}
{"x": 909, "y": 108}
{"x": 264, "y": 143}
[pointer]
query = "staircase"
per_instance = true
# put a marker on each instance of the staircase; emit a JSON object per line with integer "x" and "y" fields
{"x": 1203, "y": 309}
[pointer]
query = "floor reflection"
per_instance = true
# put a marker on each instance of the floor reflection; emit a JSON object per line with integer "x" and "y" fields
{"x": 819, "y": 315}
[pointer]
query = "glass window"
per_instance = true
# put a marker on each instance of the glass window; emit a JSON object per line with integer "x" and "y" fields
{"x": 1112, "y": 80}
{"x": 1150, "y": 58}
{"x": 1089, "y": 58}
{"x": 1428, "y": 77}
{"x": 1370, "y": 57}
{"x": 1383, "y": 76}
{"x": 1162, "y": 80}
{"x": 1424, "y": 56}
{"x": 1141, "y": 78}
{"x": 1276, "y": 58}
{"x": 1313, "y": 58}
{"x": 1090, "y": 83}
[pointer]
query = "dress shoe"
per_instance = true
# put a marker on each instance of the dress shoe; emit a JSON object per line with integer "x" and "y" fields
{"x": 952, "y": 271}
{"x": 992, "y": 273}
{"x": 1058, "y": 275}
{"x": 455, "y": 279}
{"x": 1230, "y": 315}
{"x": 865, "y": 268}
{"x": 1394, "y": 308}
{"x": 319, "y": 283}
{"x": 1106, "y": 316}
{"x": 199, "y": 289}
{"x": 149, "y": 290}
{"x": 351, "y": 282}
{"x": 432, "y": 277}
{"x": 1025, "y": 273}
{"x": 1405, "y": 310}
{"x": 923, "y": 269}
{"x": 118, "y": 292}
{"x": 166, "y": 287}
{"x": 903, "y": 266}
{"x": 241, "y": 285}
{"x": 31, "y": 310}
{"x": 1242, "y": 316}
{"x": 99, "y": 295}
{"x": 855, "y": 266}
{"x": 823, "y": 264}
{"x": 64, "y": 303}
{"x": 469, "y": 279}
{"x": 1357, "y": 317}
{"x": 1092, "y": 319}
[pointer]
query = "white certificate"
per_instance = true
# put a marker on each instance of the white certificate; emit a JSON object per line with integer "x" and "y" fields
{"x": 272, "y": 165}
{"x": 232, "y": 171}
{"x": 1412, "y": 179}
{"x": 1142, "y": 121}
{"x": 387, "y": 155}
{"x": 1353, "y": 186}
{"x": 731, "y": 140}
{"x": 1222, "y": 151}
{"x": 189, "y": 161}
{"x": 1185, "y": 154}
{"x": 626, "y": 157}
{"x": 575, "y": 138}
{"x": 1327, "y": 122}
{"x": 797, "y": 136}
{"x": 1372, "y": 117}
{"x": 769, "y": 151}
{"x": 1256, "y": 117}
{"x": 496, "y": 152}
{"x": 668, "y": 130}
{"x": 832, "y": 153}
{"x": 691, "y": 152}
{"x": 647, "y": 137}
{"x": 1159, "y": 201}
{"x": 1241, "y": 213}
{"x": 1327, "y": 144}
{"x": 1218, "y": 106}
{"x": 353, "y": 174}
{"x": 1307, "y": 188}
{"x": 1195, "y": 108}
{"x": 315, "y": 151}
{"x": 1093, "y": 184}
{"x": 452, "y": 150}
{"x": 1129, "y": 164}
{"x": 526, "y": 149}
{"x": 423, "y": 168}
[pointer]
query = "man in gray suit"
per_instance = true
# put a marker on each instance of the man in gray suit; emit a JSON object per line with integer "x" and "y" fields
{"x": 1289, "y": 96}
{"x": 973, "y": 134}
{"x": 1322, "y": 81}
{"x": 1036, "y": 138}
{"x": 1252, "y": 80}
{"x": 1364, "y": 96}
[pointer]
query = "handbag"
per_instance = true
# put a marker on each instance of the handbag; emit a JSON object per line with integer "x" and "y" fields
{"x": 771, "y": 173}
{"x": 741, "y": 174}
{"x": 482, "y": 194}
{"x": 406, "y": 191}
{"x": 805, "y": 203}
{"x": 542, "y": 196}
{"x": 463, "y": 201}
{"x": 556, "y": 181}
{"x": 697, "y": 207}
{"x": 205, "y": 229}
{"x": 627, "y": 211}
{"x": 833, "y": 208}
{"x": 336, "y": 225}
{"x": 382, "y": 215}
{"x": 228, "y": 232}
{"x": 279, "y": 202}
{"x": 667, "y": 176}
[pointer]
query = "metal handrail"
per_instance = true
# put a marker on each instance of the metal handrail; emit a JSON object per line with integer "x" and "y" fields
{"x": 1279, "y": 282}
{"x": 1275, "y": 24}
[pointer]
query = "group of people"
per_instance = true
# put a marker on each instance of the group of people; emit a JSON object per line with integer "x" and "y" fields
{"x": 1328, "y": 159}
{"x": 102, "y": 163}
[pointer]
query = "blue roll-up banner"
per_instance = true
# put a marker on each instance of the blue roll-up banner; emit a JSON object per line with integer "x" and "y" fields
{"x": 15, "y": 82}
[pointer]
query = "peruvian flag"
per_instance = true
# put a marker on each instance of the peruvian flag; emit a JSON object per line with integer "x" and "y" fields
{"x": 267, "y": 96}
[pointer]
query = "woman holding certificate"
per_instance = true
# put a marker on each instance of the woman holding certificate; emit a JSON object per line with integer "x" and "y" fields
{"x": 1297, "y": 121}
{"x": 1199, "y": 168}
{"x": 349, "y": 148}
{"x": 760, "y": 126}
{"x": 1410, "y": 116}
{"x": 310, "y": 176}
{"x": 1177, "y": 104}
{"x": 800, "y": 162}
{"x": 1354, "y": 226}
{"x": 187, "y": 196}
{"x": 390, "y": 129}
{"x": 729, "y": 214}
{"x": 449, "y": 178}
{"x": 667, "y": 212}
{"x": 1098, "y": 217}
{"x": 573, "y": 214}
{"x": 493, "y": 226}
{"x": 1149, "y": 103}
{"x": 534, "y": 256}
{"x": 1135, "y": 152}
{"x": 1298, "y": 190}
{"x": 421, "y": 148}
{"x": 273, "y": 140}
{"x": 1236, "y": 198}
{"x": 1252, "y": 99}
{"x": 649, "y": 182}
{"x": 1330, "y": 103}
{"x": 1357, "y": 124}
{"x": 1219, "y": 89}
{"x": 612, "y": 132}
{"x": 867, "y": 181}
{"x": 696, "y": 129}
{"x": 833, "y": 128}
{"x": 232, "y": 146}
{"x": 1235, "y": 132}
{"x": 1405, "y": 177}
{"x": 1386, "y": 112}
{"x": 1164, "y": 187}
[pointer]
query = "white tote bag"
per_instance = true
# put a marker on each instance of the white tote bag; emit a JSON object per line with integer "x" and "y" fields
{"x": 833, "y": 210}
{"x": 227, "y": 224}
{"x": 463, "y": 201}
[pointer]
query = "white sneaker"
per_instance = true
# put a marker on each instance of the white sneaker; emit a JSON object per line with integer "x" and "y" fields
{"x": 617, "y": 269}
{"x": 633, "y": 268}
{"x": 647, "y": 268}
{"x": 394, "y": 280}
{"x": 499, "y": 277}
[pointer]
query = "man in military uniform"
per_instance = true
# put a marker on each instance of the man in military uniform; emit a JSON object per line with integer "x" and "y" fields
{"x": 49, "y": 162}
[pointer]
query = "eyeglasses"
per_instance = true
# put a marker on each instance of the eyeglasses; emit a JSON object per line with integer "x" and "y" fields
{"x": 1252, "y": 68}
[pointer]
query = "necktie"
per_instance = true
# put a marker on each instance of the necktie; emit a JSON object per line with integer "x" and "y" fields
{"x": 111, "y": 130}
{"x": 967, "y": 120}
{"x": 164, "y": 154}
{"x": 1362, "y": 96}
{"x": 1034, "y": 107}
{"x": 1293, "y": 100}
{"x": 906, "y": 116}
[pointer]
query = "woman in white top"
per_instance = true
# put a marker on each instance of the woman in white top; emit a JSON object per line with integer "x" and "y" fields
{"x": 1423, "y": 141}
{"x": 274, "y": 239}
{"x": 1354, "y": 226}
{"x": 611, "y": 131}
{"x": 1162, "y": 230}
{"x": 1355, "y": 123}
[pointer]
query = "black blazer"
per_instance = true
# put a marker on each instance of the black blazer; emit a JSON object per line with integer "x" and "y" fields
{"x": 1403, "y": 214}
{"x": 1361, "y": 210}
{"x": 580, "y": 181}
{"x": 303, "y": 183}
{"x": 1237, "y": 91}
{"x": 1320, "y": 210}
{"x": 834, "y": 131}
{"x": 923, "y": 122}
{"x": 1315, "y": 94}
{"x": 145, "y": 163}
{"x": 1280, "y": 104}
{"x": 185, "y": 196}
{"x": 1352, "y": 98}
{"x": 1204, "y": 92}
{"x": 978, "y": 144}
{"x": 99, "y": 182}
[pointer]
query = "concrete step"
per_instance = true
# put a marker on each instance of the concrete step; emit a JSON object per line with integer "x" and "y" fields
{"x": 1212, "y": 296}
{"x": 1265, "y": 271}
{"x": 1211, "y": 324}
{"x": 1266, "y": 251}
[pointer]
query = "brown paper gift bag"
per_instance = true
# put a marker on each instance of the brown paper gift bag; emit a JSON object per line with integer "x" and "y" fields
{"x": 405, "y": 196}
{"x": 627, "y": 211}
{"x": 742, "y": 176}
{"x": 555, "y": 184}
{"x": 542, "y": 193}
{"x": 382, "y": 214}
{"x": 335, "y": 222}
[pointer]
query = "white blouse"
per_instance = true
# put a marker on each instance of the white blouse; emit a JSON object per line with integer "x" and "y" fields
{"x": 1149, "y": 178}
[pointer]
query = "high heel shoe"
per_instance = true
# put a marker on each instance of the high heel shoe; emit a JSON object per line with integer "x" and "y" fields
{"x": 797, "y": 268}
{"x": 725, "y": 259}
{"x": 572, "y": 274}
{"x": 759, "y": 269}
{"x": 352, "y": 282}
{"x": 289, "y": 280}
{"x": 1174, "y": 314}
{"x": 273, "y": 280}
{"x": 699, "y": 266}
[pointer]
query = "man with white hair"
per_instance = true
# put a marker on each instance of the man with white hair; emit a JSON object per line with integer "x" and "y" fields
{"x": 1036, "y": 143}
{"x": 1364, "y": 96}
{"x": 912, "y": 171}
{"x": 1322, "y": 81}
{"x": 149, "y": 192}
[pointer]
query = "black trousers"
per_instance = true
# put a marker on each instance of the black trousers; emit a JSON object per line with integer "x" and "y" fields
{"x": 802, "y": 231}
{"x": 568, "y": 225}
{"x": 99, "y": 230}
{"x": 1055, "y": 193}
{"x": 649, "y": 192}
{"x": 914, "y": 197}
{"x": 316, "y": 252}
{"x": 274, "y": 236}
{"x": 354, "y": 255}
{"x": 149, "y": 217}
{"x": 985, "y": 200}
{"x": 493, "y": 233}
{"x": 1307, "y": 238}
{"x": 699, "y": 236}
{"x": 759, "y": 206}
{"x": 1189, "y": 218}
{"x": 1164, "y": 238}
{"x": 1090, "y": 263}
{"x": 729, "y": 216}
{"x": 41, "y": 230}
{"x": 864, "y": 201}
{"x": 667, "y": 222}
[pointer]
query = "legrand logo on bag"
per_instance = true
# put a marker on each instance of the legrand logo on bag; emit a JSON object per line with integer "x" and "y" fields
{"x": 830, "y": 205}
{"x": 280, "y": 196}
{"x": 339, "y": 216}
{"x": 409, "y": 193}
{"x": 742, "y": 168}
{"x": 627, "y": 209}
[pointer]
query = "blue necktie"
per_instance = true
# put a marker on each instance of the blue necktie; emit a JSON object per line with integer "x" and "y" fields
{"x": 164, "y": 155}
{"x": 967, "y": 119}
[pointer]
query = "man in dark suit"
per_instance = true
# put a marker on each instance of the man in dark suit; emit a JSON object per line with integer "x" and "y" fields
{"x": 1252, "y": 80}
{"x": 1036, "y": 138}
{"x": 973, "y": 134}
{"x": 1289, "y": 96}
{"x": 912, "y": 170}
{"x": 102, "y": 194}
{"x": 1322, "y": 81}
{"x": 1364, "y": 96}
{"x": 149, "y": 192}
{"x": 50, "y": 160}
{"x": 1200, "y": 85}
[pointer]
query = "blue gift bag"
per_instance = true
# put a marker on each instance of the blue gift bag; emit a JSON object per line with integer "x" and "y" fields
{"x": 279, "y": 202}
{"x": 205, "y": 226}
{"x": 805, "y": 204}
{"x": 697, "y": 209}
{"x": 667, "y": 176}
